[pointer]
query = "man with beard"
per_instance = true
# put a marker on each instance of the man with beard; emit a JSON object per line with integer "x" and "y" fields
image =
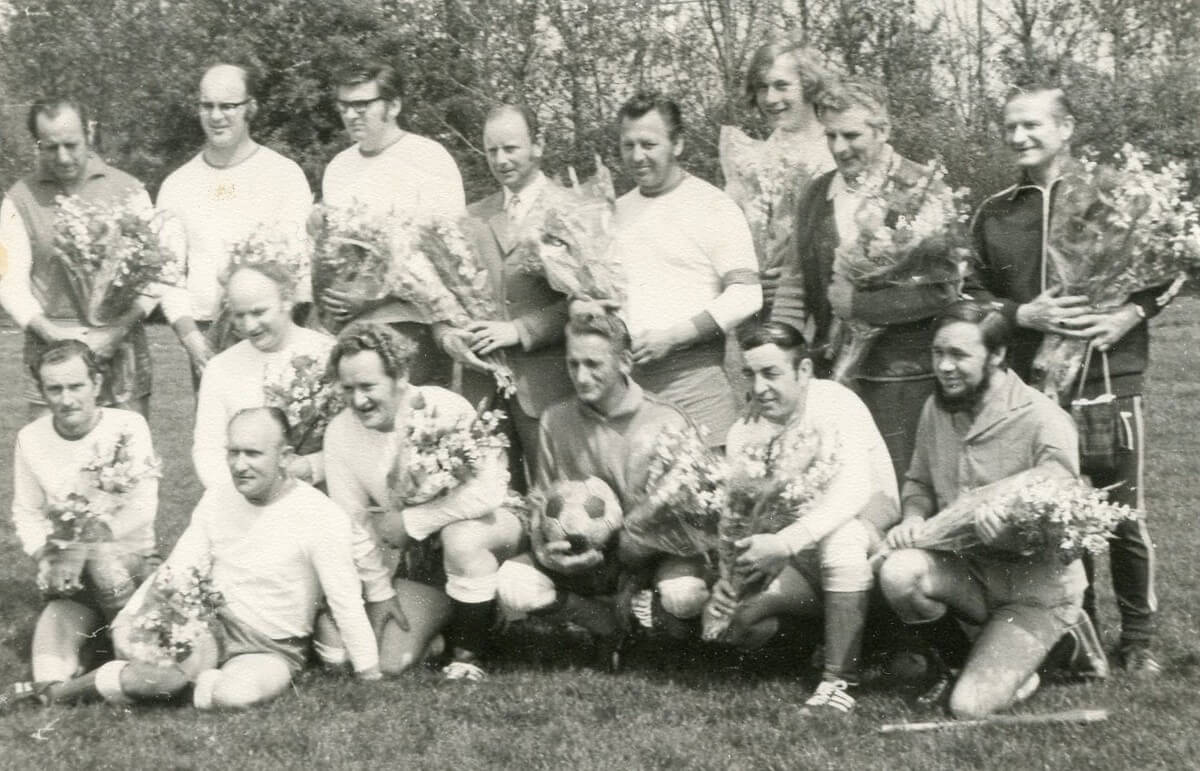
{"x": 982, "y": 425}
{"x": 1013, "y": 237}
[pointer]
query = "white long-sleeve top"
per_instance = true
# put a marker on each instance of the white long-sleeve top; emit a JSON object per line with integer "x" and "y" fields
{"x": 357, "y": 462}
{"x": 864, "y": 484}
{"x": 265, "y": 194}
{"x": 47, "y": 466}
{"x": 274, "y": 563}
{"x": 686, "y": 252}
{"x": 413, "y": 176}
{"x": 234, "y": 380}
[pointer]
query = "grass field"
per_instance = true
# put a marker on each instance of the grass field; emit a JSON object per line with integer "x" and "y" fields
{"x": 670, "y": 708}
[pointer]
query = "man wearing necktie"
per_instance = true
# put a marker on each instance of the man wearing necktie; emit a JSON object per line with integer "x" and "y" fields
{"x": 531, "y": 332}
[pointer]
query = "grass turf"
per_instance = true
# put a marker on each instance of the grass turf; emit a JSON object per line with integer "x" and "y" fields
{"x": 671, "y": 708}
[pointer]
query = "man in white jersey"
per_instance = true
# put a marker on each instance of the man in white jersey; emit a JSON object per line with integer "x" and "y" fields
{"x": 388, "y": 172}
{"x": 233, "y": 188}
{"x": 273, "y": 547}
{"x": 693, "y": 274}
{"x": 816, "y": 566}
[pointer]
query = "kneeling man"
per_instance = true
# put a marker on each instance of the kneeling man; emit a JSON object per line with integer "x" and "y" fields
{"x": 984, "y": 424}
{"x": 275, "y": 547}
{"x": 818, "y": 565}
{"x": 607, "y": 431}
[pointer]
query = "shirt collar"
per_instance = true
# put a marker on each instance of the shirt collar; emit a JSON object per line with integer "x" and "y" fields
{"x": 1025, "y": 183}
{"x": 531, "y": 191}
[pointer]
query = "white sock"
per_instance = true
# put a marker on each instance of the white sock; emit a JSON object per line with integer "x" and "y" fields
{"x": 202, "y": 691}
{"x": 108, "y": 682}
{"x": 51, "y": 667}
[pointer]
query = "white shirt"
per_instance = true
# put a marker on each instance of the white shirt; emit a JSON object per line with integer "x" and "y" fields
{"x": 46, "y": 465}
{"x": 679, "y": 250}
{"x": 357, "y": 462}
{"x": 864, "y": 480}
{"x": 412, "y": 176}
{"x": 234, "y": 380}
{"x": 273, "y": 564}
{"x": 265, "y": 193}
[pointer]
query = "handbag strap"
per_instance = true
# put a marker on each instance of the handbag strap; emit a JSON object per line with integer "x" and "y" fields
{"x": 1087, "y": 362}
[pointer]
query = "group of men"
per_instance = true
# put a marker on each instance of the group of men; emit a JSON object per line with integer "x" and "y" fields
{"x": 940, "y": 406}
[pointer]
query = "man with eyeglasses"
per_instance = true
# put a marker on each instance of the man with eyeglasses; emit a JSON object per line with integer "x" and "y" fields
{"x": 36, "y": 291}
{"x": 232, "y": 188}
{"x": 389, "y": 172}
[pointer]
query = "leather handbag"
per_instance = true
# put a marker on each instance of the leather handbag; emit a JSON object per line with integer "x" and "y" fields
{"x": 1098, "y": 421}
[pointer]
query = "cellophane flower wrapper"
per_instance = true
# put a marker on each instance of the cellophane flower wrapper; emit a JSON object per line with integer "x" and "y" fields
{"x": 766, "y": 179}
{"x": 111, "y": 255}
{"x": 437, "y": 455}
{"x": 466, "y": 278}
{"x": 1046, "y": 513}
{"x": 176, "y": 613}
{"x": 352, "y": 253}
{"x": 308, "y": 397}
{"x": 1116, "y": 230}
{"x": 908, "y": 235}
{"x": 568, "y": 239}
{"x": 681, "y": 506}
{"x": 766, "y": 490}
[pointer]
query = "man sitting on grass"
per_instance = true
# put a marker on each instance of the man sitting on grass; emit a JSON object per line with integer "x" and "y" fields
{"x": 982, "y": 425}
{"x": 817, "y": 566}
{"x": 607, "y": 431}
{"x": 275, "y": 546}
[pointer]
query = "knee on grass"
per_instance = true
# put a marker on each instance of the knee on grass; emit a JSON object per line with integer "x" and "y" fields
{"x": 903, "y": 578}
{"x": 683, "y": 596}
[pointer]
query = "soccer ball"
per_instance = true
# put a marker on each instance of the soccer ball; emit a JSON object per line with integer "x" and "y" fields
{"x": 584, "y": 513}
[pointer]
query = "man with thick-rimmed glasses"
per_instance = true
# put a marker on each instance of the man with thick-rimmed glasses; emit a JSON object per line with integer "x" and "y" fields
{"x": 36, "y": 291}
{"x": 232, "y": 188}
{"x": 388, "y": 171}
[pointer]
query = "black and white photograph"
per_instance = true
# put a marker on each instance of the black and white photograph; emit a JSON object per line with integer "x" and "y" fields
{"x": 544, "y": 384}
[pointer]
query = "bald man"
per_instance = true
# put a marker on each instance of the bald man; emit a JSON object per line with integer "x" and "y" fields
{"x": 274, "y": 547}
{"x": 232, "y": 188}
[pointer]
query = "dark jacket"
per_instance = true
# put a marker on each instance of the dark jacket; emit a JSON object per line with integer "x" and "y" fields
{"x": 1007, "y": 231}
{"x": 907, "y": 313}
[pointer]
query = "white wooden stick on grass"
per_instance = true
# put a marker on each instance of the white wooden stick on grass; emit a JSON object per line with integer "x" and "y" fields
{"x": 1067, "y": 716}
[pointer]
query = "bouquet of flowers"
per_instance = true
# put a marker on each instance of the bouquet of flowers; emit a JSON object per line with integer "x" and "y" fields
{"x": 768, "y": 488}
{"x": 464, "y": 278}
{"x": 352, "y": 253}
{"x": 568, "y": 240}
{"x": 81, "y": 523}
{"x": 176, "y": 615}
{"x": 766, "y": 179}
{"x": 308, "y": 397}
{"x": 683, "y": 499}
{"x": 909, "y": 234}
{"x": 1045, "y": 512}
{"x": 110, "y": 254}
{"x": 438, "y": 455}
{"x": 1115, "y": 231}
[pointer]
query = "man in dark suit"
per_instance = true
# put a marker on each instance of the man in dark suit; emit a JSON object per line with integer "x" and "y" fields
{"x": 896, "y": 377}
{"x": 531, "y": 333}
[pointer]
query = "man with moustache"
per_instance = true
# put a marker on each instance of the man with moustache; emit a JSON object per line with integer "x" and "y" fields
{"x": 531, "y": 332}
{"x": 982, "y": 425}
{"x": 895, "y": 378}
{"x": 389, "y": 172}
{"x": 35, "y": 291}
{"x": 1015, "y": 269}
{"x": 692, "y": 270}
{"x": 232, "y": 189}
